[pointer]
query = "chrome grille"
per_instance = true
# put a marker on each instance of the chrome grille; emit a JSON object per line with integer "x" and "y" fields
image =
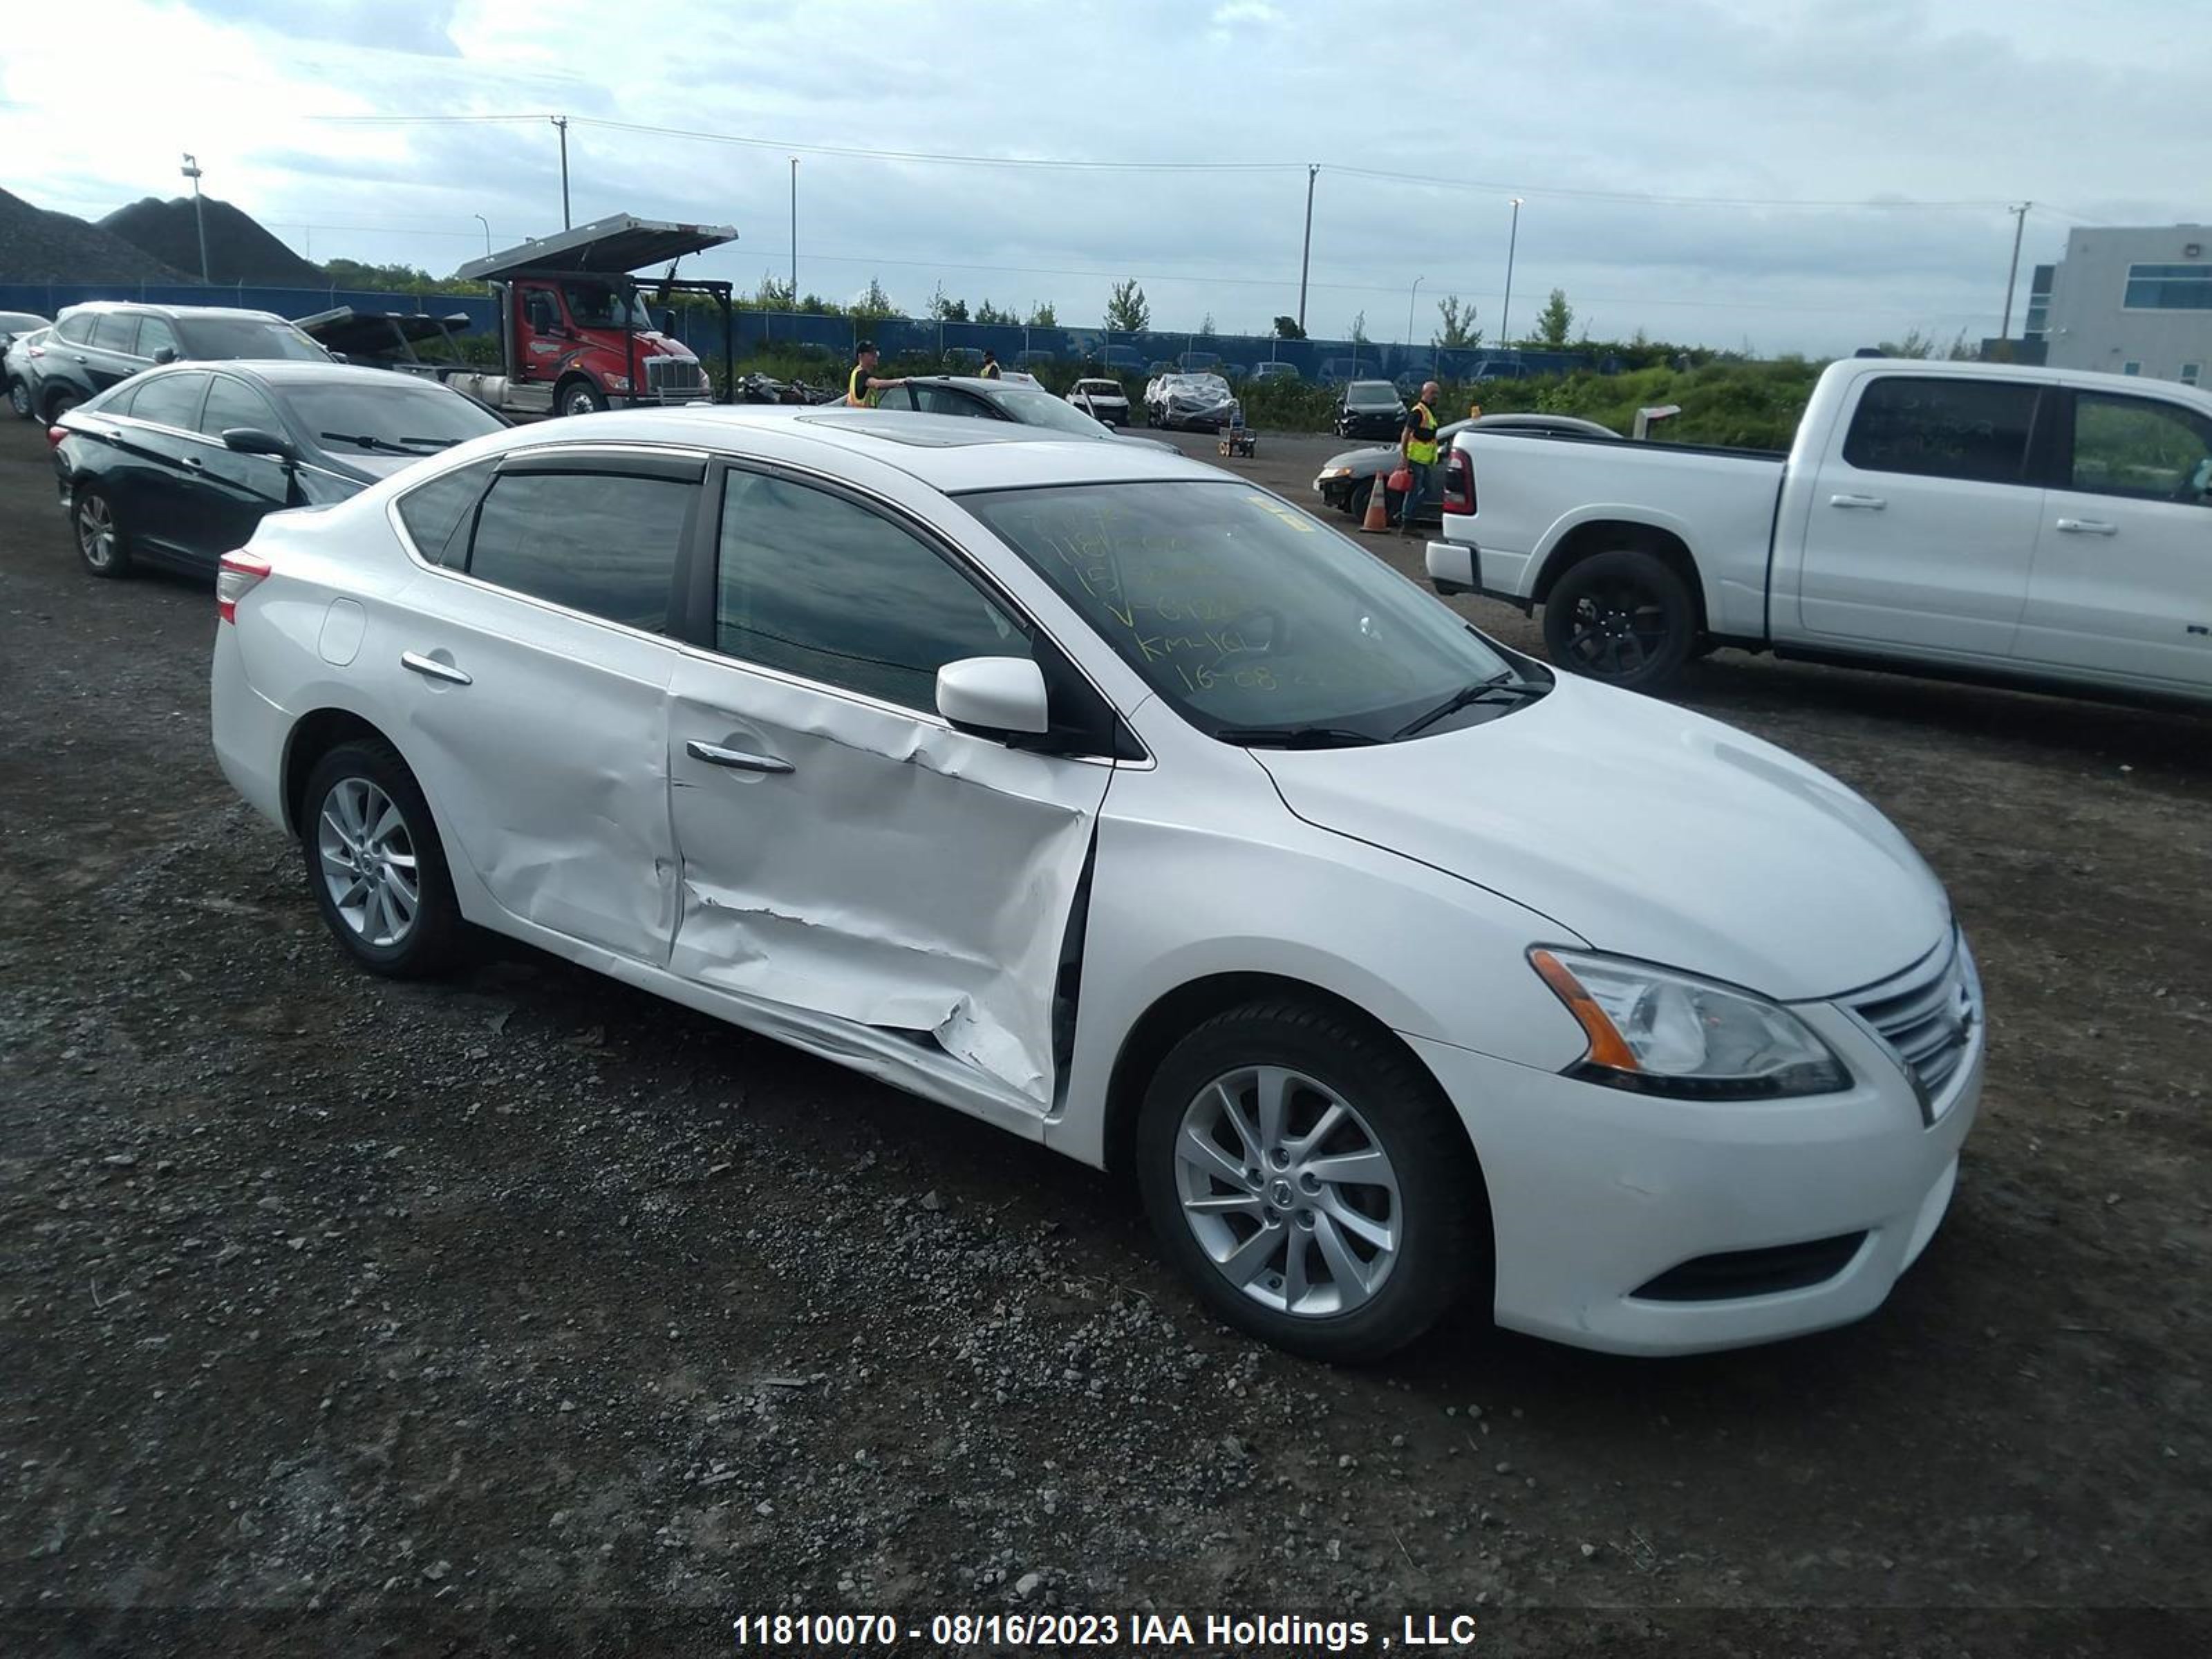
{"x": 674, "y": 376}
{"x": 1927, "y": 1015}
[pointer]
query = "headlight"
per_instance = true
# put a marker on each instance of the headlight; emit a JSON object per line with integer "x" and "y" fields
{"x": 618, "y": 382}
{"x": 1657, "y": 1031}
{"x": 1336, "y": 473}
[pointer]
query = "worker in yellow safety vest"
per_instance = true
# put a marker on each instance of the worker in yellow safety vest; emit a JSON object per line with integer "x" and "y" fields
{"x": 863, "y": 390}
{"x": 1417, "y": 443}
{"x": 990, "y": 369}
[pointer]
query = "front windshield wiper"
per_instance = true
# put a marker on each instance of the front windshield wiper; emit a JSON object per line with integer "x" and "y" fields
{"x": 1504, "y": 684}
{"x": 429, "y": 443}
{"x": 1294, "y": 737}
{"x": 397, "y": 445}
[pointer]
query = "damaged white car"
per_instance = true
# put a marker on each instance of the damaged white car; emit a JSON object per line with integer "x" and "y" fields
{"x": 1098, "y": 794}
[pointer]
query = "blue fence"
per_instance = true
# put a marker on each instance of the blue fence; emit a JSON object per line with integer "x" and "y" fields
{"x": 899, "y": 337}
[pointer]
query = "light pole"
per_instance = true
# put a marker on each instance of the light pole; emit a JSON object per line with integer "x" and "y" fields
{"x": 2020, "y": 224}
{"x": 562, "y": 122}
{"x": 486, "y": 223}
{"x": 1305, "y": 258}
{"x": 192, "y": 171}
{"x": 794, "y": 234}
{"x": 1505, "y": 311}
{"x": 1416, "y": 290}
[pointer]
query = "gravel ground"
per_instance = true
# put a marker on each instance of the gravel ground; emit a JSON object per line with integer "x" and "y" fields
{"x": 524, "y": 1313}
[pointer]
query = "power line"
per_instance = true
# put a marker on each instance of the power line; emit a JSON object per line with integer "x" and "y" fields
{"x": 1037, "y": 162}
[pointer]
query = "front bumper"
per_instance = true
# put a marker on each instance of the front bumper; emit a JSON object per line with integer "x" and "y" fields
{"x": 1594, "y": 1192}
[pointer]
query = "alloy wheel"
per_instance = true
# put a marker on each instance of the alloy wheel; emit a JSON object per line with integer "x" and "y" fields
{"x": 368, "y": 862}
{"x": 95, "y": 531}
{"x": 1617, "y": 629}
{"x": 1288, "y": 1191}
{"x": 18, "y": 399}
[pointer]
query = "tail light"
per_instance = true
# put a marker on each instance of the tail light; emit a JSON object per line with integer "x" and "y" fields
{"x": 240, "y": 573}
{"x": 54, "y": 436}
{"x": 34, "y": 352}
{"x": 1459, "y": 483}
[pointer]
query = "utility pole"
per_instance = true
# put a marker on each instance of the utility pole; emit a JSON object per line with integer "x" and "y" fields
{"x": 486, "y": 223}
{"x": 795, "y": 234}
{"x": 1505, "y": 311}
{"x": 192, "y": 171}
{"x": 562, "y": 122}
{"x": 1305, "y": 259}
{"x": 2019, "y": 224}
{"x": 1416, "y": 290}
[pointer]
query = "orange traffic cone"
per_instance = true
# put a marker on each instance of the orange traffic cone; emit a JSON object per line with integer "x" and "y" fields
{"x": 1378, "y": 506}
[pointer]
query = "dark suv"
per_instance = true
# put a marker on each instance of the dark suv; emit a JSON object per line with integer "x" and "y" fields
{"x": 96, "y": 345}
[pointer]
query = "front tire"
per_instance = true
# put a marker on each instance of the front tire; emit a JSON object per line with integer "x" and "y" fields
{"x": 19, "y": 397}
{"x": 1311, "y": 1181}
{"x": 101, "y": 541}
{"x": 375, "y": 865}
{"x": 582, "y": 397}
{"x": 1625, "y": 617}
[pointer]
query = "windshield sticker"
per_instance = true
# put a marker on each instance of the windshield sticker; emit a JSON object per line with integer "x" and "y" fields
{"x": 1288, "y": 515}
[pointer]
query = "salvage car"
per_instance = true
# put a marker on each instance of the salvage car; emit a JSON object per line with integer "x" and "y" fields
{"x": 21, "y": 359}
{"x": 1099, "y": 795}
{"x": 176, "y": 467}
{"x": 1103, "y": 401}
{"x": 1345, "y": 481}
{"x": 103, "y": 343}
{"x": 1199, "y": 401}
{"x": 1021, "y": 400}
{"x": 1369, "y": 408}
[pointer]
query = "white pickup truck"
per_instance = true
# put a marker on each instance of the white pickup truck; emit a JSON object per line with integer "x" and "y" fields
{"x": 2044, "y": 526}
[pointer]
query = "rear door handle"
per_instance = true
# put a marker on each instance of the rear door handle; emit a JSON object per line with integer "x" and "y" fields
{"x": 2089, "y": 526}
{"x": 1870, "y": 503}
{"x": 430, "y": 668}
{"x": 715, "y": 755}
{"x": 192, "y": 461}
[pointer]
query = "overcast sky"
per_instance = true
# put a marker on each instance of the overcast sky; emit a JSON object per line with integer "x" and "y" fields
{"x": 1619, "y": 123}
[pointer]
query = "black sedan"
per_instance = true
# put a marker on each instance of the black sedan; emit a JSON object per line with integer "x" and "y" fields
{"x": 1346, "y": 481}
{"x": 177, "y": 465}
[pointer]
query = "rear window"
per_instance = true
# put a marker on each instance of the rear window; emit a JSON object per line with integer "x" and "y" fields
{"x": 1942, "y": 428}
{"x": 597, "y": 542}
{"x": 171, "y": 400}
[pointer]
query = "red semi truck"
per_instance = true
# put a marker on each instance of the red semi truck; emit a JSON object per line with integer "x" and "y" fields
{"x": 575, "y": 333}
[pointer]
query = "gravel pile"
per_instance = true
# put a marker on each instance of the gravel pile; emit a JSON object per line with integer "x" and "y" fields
{"x": 239, "y": 249}
{"x": 37, "y": 245}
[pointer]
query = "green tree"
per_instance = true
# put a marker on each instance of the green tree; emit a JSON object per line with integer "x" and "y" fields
{"x": 945, "y": 310}
{"x": 773, "y": 294}
{"x": 813, "y": 305}
{"x": 1914, "y": 344}
{"x": 1286, "y": 328}
{"x": 1458, "y": 332}
{"x": 1128, "y": 311}
{"x": 987, "y": 312}
{"x": 383, "y": 279}
{"x": 1358, "y": 330}
{"x": 1205, "y": 328}
{"x": 873, "y": 303}
{"x": 1043, "y": 316}
{"x": 1553, "y": 321}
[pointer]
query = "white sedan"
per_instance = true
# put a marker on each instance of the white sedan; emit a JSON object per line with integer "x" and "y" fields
{"x": 1102, "y": 400}
{"x": 1099, "y": 794}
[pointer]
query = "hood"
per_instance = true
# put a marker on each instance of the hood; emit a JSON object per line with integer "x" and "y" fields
{"x": 1645, "y": 831}
{"x": 1376, "y": 458}
{"x": 666, "y": 345}
{"x": 368, "y": 469}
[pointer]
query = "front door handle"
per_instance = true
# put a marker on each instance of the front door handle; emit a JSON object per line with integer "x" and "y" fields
{"x": 431, "y": 668}
{"x": 192, "y": 461}
{"x": 2089, "y": 526}
{"x": 1870, "y": 503}
{"x": 715, "y": 755}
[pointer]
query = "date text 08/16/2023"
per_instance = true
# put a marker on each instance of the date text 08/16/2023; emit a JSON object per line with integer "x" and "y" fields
{"x": 1254, "y": 1633}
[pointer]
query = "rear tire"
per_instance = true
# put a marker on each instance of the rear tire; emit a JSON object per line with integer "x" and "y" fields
{"x": 59, "y": 402}
{"x": 1625, "y": 617}
{"x": 374, "y": 863}
{"x": 580, "y": 397}
{"x": 101, "y": 540}
{"x": 19, "y": 397}
{"x": 1340, "y": 1244}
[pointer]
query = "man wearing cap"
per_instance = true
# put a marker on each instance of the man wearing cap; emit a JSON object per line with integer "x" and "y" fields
{"x": 862, "y": 388}
{"x": 990, "y": 370}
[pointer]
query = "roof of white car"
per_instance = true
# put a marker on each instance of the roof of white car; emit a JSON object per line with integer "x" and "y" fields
{"x": 949, "y": 453}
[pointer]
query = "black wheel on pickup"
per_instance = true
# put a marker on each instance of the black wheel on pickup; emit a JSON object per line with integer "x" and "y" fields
{"x": 1626, "y": 617}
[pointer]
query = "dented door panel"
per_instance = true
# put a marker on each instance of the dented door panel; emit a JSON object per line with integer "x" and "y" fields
{"x": 898, "y": 874}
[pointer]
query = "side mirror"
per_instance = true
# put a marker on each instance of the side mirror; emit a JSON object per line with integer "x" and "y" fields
{"x": 253, "y": 440}
{"x": 1451, "y": 568}
{"x": 993, "y": 696}
{"x": 165, "y": 354}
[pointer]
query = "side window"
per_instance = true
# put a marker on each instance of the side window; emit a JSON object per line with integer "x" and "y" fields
{"x": 154, "y": 333}
{"x": 899, "y": 397}
{"x": 2134, "y": 447}
{"x": 232, "y": 403}
{"x": 116, "y": 331}
{"x": 944, "y": 400}
{"x": 538, "y": 307}
{"x": 76, "y": 329}
{"x": 172, "y": 400}
{"x": 595, "y": 542}
{"x": 437, "y": 513}
{"x": 816, "y": 586}
{"x": 1942, "y": 428}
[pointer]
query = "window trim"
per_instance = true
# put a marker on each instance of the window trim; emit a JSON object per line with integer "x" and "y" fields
{"x": 278, "y": 425}
{"x": 2062, "y": 477}
{"x": 641, "y": 452}
{"x": 207, "y": 379}
{"x": 2036, "y": 454}
{"x": 2190, "y": 272}
{"x": 699, "y": 639}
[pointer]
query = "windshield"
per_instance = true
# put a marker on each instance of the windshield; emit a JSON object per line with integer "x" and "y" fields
{"x": 1035, "y": 406}
{"x": 593, "y": 307}
{"x": 1239, "y": 609}
{"x": 1372, "y": 394}
{"x": 211, "y": 338}
{"x": 407, "y": 416}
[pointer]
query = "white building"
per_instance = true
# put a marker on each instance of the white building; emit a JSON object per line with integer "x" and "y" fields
{"x": 2127, "y": 301}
